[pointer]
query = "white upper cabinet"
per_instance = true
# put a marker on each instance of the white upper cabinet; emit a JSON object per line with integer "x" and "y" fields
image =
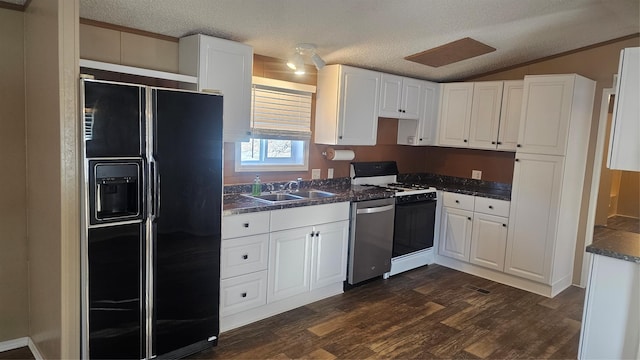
{"x": 399, "y": 97}
{"x": 550, "y": 103}
{"x": 225, "y": 66}
{"x": 455, "y": 114}
{"x": 485, "y": 114}
{"x": 624, "y": 145}
{"x": 347, "y": 106}
{"x": 510, "y": 115}
{"x": 423, "y": 130}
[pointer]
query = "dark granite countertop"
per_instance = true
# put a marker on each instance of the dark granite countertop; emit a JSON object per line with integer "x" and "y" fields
{"x": 623, "y": 245}
{"x": 488, "y": 189}
{"x": 240, "y": 204}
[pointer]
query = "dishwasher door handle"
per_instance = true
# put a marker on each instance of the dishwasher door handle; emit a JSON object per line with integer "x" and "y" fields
{"x": 373, "y": 210}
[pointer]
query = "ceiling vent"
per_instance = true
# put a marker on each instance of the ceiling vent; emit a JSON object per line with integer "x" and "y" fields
{"x": 452, "y": 52}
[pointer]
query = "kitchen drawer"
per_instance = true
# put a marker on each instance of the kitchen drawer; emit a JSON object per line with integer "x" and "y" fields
{"x": 458, "y": 201}
{"x": 492, "y": 206}
{"x": 244, "y": 255}
{"x": 245, "y": 224}
{"x": 243, "y": 292}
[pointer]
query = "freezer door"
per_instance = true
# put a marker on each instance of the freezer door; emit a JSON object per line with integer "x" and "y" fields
{"x": 113, "y": 119}
{"x": 115, "y": 292}
{"x": 186, "y": 211}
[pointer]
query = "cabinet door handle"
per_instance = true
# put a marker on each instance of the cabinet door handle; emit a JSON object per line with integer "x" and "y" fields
{"x": 244, "y": 294}
{"x": 420, "y": 139}
{"x": 518, "y": 145}
{"x": 457, "y": 201}
{"x": 399, "y": 110}
{"x": 340, "y": 137}
{"x": 499, "y": 142}
{"x": 517, "y": 159}
{"x": 465, "y": 140}
{"x": 490, "y": 206}
{"x": 312, "y": 234}
{"x": 317, "y": 233}
{"x": 493, "y": 143}
{"x": 245, "y": 256}
{"x": 504, "y": 225}
{"x": 245, "y": 225}
{"x": 469, "y": 218}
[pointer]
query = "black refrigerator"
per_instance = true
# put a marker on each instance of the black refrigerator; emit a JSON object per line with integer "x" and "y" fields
{"x": 152, "y": 211}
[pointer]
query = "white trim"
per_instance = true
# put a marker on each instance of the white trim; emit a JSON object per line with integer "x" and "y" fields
{"x": 99, "y": 65}
{"x": 280, "y": 84}
{"x": 34, "y": 350}
{"x": 595, "y": 183}
{"x": 411, "y": 261}
{"x": 14, "y": 344}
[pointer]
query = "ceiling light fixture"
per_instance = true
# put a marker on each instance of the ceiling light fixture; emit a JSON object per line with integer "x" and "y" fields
{"x": 296, "y": 62}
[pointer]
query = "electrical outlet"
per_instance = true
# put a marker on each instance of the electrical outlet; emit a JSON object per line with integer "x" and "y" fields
{"x": 476, "y": 174}
{"x": 315, "y": 173}
{"x": 330, "y": 173}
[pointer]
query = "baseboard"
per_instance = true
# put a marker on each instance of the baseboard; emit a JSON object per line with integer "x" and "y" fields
{"x": 14, "y": 344}
{"x": 34, "y": 350}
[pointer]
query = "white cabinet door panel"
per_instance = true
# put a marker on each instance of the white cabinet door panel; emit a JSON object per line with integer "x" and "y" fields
{"x": 289, "y": 263}
{"x": 535, "y": 200}
{"x": 329, "y": 264}
{"x": 411, "y": 96}
{"x": 390, "y": 96}
{"x": 359, "y": 107}
{"x": 455, "y": 233}
{"x": 488, "y": 241}
{"x": 485, "y": 114}
{"x": 545, "y": 115}
{"x": 455, "y": 116}
{"x": 510, "y": 115}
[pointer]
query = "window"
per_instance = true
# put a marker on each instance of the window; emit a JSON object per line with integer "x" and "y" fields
{"x": 281, "y": 128}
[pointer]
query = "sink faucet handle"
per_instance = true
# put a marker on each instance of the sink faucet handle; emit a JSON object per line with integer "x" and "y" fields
{"x": 270, "y": 187}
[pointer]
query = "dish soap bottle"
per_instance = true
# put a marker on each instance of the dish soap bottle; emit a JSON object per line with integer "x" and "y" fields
{"x": 256, "y": 189}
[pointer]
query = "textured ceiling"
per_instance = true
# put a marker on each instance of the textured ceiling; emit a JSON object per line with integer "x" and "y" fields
{"x": 378, "y": 34}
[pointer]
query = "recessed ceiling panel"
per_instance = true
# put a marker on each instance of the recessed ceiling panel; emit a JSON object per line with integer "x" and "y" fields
{"x": 450, "y": 53}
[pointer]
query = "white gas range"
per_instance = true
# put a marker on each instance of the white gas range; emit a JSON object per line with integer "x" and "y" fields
{"x": 415, "y": 210}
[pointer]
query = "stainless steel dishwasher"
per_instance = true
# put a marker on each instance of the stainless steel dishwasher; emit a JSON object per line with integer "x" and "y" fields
{"x": 371, "y": 239}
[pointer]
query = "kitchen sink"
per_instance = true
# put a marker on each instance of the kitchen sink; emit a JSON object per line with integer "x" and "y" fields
{"x": 314, "y": 194}
{"x": 276, "y": 197}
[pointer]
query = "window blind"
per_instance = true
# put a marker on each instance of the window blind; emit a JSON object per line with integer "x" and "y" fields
{"x": 280, "y": 113}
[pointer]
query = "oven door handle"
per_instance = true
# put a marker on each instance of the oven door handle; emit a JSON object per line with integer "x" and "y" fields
{"x": 373, "y": 210}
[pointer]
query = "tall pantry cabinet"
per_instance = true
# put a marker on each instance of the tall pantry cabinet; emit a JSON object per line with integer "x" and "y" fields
{"x": 548, "y": 178}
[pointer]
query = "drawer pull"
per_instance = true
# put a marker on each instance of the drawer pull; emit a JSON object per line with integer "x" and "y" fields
{"x": 245, "y": 225}
{"x": 457, "y": 201}
{"x": 490, "y": 206}
{"x": 245, "y": 256}
{"x": 312, "y": 234}
{"x": 469, "y": 218}
{"x": 504, "y": 225}
{"x": 244, "y": 294}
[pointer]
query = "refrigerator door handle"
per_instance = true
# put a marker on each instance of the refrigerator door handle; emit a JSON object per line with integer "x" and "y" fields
{"x": 152, "y": 190}
{"x": 156, "y": 194}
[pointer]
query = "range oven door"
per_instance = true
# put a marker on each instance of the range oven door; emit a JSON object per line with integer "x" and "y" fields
{"x": 414, "y": 226}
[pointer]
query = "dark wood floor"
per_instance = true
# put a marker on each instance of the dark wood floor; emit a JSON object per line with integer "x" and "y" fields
{"x": 22, "y": 353}
{"x": 430, "y": 312}
{"x": 624, "y": 223}
{"x": 427, "y": 313}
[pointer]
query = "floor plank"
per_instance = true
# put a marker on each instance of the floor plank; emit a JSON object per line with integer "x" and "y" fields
{"x": 428, "y": 313}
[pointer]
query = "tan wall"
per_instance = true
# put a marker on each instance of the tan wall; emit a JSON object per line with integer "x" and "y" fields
{"x": 13, "y": 211}
{"x": 51, "y": 52}
{"x": 599, "y": 64}
{"x": 115, "y": 46}
{"x": 629, "y": 194}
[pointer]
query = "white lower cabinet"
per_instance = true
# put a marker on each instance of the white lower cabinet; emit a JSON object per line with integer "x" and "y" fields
{"x": 301, "y": 258}
{"x": 474, "y": 230}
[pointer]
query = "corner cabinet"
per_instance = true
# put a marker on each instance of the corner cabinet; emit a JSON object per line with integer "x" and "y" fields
{"x": 423, "y": 130}
{"x": 624, "y": 147}
{"x": 347, "y": 106}
{"x": 275, "y": 261}
{"x": 481, "y": 115}
{"x": 224, "y": 66}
